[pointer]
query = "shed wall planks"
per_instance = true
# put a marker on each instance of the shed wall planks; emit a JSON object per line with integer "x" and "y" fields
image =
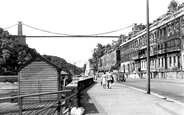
{"x": 38, "y": 77}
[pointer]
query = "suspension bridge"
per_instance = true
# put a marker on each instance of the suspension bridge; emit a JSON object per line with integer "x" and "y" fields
{"x": 58, "y": 35}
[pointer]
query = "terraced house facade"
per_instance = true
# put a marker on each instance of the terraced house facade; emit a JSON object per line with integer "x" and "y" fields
{"x": 166, "y": 48}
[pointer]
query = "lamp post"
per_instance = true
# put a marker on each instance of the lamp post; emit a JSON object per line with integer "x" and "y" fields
{"x": 148, "y": 49}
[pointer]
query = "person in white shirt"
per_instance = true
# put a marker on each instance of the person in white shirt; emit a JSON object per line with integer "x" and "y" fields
{"x": 104, "y": 80}
{"x": 109, "y": 80}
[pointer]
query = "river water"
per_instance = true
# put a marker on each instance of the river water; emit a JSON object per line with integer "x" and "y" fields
{"x": 8, "y": 89}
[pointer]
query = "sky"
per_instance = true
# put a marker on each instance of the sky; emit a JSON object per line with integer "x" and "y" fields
{"x": 76, "y": 17}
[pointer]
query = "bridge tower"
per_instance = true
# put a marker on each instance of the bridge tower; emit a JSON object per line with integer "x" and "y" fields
{"x": 21, "y": 37}
{"x": 20, "y": 33}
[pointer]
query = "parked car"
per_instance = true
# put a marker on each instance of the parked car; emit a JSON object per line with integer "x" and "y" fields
{"x": 122, "y": 77}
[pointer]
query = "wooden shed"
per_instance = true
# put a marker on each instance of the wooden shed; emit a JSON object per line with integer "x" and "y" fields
{"x": 39, "y": 75}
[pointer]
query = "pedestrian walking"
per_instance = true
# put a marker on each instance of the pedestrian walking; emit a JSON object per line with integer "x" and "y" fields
{"x": 101, "y": 79}
{"x": 109, "y": 80}
{"x": 114, "y": 76}
{"x": 104, "y": 80}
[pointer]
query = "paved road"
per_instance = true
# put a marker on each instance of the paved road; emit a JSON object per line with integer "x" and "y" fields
{"x": 123, "y": 100}
{"x": 173, "y": 89}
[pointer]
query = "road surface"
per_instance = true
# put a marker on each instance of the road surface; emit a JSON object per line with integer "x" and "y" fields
{"x": 172, "y": 89}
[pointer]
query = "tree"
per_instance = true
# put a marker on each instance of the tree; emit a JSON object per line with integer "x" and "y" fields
{"x": 181, "y": 5}
{"x": 90, "y": 61}
{"x": 12, "y": 54}
{"x": 119, "y": 42}
{"x": 99, "y": 51}
{"x": 99, "y": 46}
{"x": 173, "y": 6}
{"x": 63, "y": 64}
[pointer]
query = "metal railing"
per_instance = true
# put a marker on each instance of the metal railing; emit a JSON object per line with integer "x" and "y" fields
{"x": 62, "y": 100}
{"x": 66, "y": 99}
{"x": 82, "y": 84}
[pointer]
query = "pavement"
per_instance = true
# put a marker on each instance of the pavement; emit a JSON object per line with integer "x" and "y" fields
{"x": 124, "y": 100}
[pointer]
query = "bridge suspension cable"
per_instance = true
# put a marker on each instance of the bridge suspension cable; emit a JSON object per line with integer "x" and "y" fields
{"x": 111, "y": 31}
{"x": 10, "y": 26}
{"x": 63, "y": 34}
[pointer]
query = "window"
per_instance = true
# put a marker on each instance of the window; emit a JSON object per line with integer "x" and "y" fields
{"x": 174, "y": 59}
{"x": 160, "y": 33}
{"x": 172, "y": 28}
{"x": 182, "y": 22}
{"x": 177, "y": 42}
{"x": 161, "y": 46}
{"x": 158, "y": 46}
{"x": 169, "y": 30}
{"x": 170, "y": 61}
{"x": 172, "y": 43}
{"x": 151, "y": 63}
{"x": 155, "y": 35}
{"x": 168, "y": 44}
{"x": 162, "y": 62}
{"x": 159, "y": 62}
{"x": 142, "y": 39}
{"x": 165, "y": 31}
{"x": 177, "y": 26}
{"x": 139, "y": 42}
{"x": 145, "y": 40}
{"x": 183, "y": 60}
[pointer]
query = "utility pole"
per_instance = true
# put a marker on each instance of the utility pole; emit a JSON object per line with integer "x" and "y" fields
{"x": 148, "y": 50}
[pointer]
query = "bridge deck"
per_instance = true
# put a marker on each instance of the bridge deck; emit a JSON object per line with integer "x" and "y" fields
{"x": 123, "y": 100}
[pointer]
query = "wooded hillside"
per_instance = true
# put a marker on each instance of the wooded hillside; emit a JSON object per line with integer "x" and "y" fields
{"x": 12, "y": 54}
